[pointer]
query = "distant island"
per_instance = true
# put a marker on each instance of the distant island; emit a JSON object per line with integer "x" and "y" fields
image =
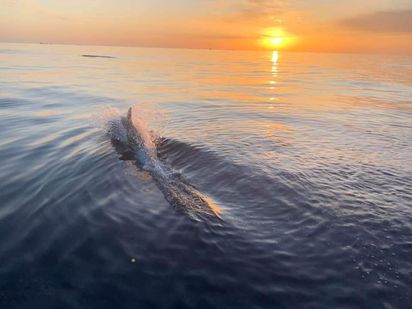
{"x": 98, "y": 56}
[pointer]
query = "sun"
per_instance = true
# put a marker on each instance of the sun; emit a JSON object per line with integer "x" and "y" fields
{"x": 273, "y": 42}
{"x": 276, "y": 41}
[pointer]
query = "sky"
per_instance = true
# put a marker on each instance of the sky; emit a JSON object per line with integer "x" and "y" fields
{"x": 367, "y": 26}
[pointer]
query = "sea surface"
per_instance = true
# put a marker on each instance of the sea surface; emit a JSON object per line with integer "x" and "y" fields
{"x": 303, "y": 161}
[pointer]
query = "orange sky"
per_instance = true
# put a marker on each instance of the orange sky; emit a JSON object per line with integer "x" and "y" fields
{"x": 311, "y": 25}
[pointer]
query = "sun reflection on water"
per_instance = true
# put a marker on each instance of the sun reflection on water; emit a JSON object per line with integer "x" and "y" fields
{"x": 275, "y": 59}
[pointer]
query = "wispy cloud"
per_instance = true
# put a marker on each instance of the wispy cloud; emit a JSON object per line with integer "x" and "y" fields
{"x": 399, "y": 21}
{"x": 262, "y": 8}
{"x": 250, "y": 10}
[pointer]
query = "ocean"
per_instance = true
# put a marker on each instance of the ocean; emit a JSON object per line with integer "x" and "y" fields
{"x": 239, "y": 179}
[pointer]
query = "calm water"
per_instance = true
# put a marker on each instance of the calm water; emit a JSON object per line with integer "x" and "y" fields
{"x": 306, "y": 157}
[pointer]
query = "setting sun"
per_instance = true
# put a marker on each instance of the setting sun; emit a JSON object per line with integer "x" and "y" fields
{"x": 276, "y": 41}
{"x": 276, "y": 38}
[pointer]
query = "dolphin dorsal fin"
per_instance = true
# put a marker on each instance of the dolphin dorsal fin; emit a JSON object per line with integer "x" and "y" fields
{"x": 129, "y": 114}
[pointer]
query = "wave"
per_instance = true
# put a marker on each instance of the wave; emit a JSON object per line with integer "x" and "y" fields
{"x": 133, "y": 140}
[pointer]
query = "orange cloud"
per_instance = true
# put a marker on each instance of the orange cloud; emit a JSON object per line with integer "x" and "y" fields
{"x": 399, "y": 21}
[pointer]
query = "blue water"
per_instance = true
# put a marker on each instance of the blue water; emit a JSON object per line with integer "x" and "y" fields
{"x": 304, "y": 158}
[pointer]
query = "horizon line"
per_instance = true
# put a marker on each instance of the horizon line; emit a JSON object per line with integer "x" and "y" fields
{"x": 378, "y": 53}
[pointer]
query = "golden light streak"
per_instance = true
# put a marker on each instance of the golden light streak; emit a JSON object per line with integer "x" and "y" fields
{"x": 275, "y": 57}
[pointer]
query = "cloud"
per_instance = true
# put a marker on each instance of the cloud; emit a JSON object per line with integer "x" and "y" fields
{"x": 249, "y": 10}
{"x": 399, "y": 21}
{"x": 262, "y": 7}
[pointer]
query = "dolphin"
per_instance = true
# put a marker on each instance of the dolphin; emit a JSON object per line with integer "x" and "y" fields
{"x": 176, "y": 189}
